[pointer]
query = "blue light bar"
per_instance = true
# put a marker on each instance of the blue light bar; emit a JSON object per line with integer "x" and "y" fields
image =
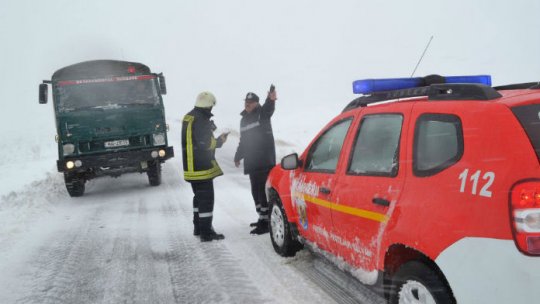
{"x": 368, "y": 86}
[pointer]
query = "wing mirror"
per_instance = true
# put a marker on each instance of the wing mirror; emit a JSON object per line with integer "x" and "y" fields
{"x": 43, "y": 93}
{"x": 162, "y": 85}
{"x": 290, "y": 162}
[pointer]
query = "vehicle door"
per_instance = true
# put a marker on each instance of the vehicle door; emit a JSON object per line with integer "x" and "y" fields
{"x": 311, "y": 184}
{"x": 370, "y": 183}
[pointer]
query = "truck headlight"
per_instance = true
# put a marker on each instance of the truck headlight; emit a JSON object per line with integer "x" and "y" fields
{"x": 70, "y": 164}
{"x": 68, "y": 149}
{"x": 159, "y": 139}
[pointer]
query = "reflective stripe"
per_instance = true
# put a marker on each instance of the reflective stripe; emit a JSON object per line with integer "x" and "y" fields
{"x": 370, "y": 215}
{"x": 205, "y": 174}
{"x": 263, "y": 217}
{"x": 195, "y": 210}
{"x": 189, "y": 142}
{"x": 250, "y": 126}
{"x": 258, "y": 206}
{"x": 264, "y": 209}
{"x": 213, "y": 143}
{"x": 205, "y": 214}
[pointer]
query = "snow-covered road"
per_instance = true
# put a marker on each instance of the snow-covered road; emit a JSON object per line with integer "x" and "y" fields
{"x": 127, "y": 242}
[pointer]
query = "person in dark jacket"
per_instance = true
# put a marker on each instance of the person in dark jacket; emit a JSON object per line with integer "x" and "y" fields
{"x": 258, "y": 151}
{"x": 200, "y": 165}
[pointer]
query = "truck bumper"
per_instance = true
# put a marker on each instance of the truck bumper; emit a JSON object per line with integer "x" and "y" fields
{"x": 121, "y": 159}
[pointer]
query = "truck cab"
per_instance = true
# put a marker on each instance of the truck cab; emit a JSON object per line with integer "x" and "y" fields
{"x": 110, "y": 120}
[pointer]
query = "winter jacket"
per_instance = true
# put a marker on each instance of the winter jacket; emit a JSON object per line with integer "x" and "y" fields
{"x": 199, "y": 145}
{"x": 257, "y": 147}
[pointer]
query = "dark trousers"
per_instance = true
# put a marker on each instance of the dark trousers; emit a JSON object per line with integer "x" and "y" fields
{"x": 203, "y": 205}
{"x": 258, "y": 181}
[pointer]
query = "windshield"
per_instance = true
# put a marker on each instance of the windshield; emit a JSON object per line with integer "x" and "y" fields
{"x": 111, "y": 93}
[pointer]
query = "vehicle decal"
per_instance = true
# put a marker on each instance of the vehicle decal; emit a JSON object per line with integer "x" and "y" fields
{"x": 370, "y": 215}
{"x": 301, "y": 208}
{"x": 484, "y": 191}
{"x": 109, "y": 79}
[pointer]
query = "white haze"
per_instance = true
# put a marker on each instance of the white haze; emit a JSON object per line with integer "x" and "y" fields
{"x": 311, "y": 50}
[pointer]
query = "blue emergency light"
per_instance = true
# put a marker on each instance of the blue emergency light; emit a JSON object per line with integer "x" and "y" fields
{"x": 368, "y": 86}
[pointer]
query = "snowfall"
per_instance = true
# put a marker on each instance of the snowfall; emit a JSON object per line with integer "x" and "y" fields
{"x": 127, "y": 242}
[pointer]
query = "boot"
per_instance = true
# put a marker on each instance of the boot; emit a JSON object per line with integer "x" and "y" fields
{"x": 211, "y": 236}
{"x": 254, "y": 224}
{"x": 261, "y": 228}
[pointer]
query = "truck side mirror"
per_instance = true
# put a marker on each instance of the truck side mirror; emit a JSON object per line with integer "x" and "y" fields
{"x": 43, "y": 93}
{"x": 290, "y": 162}
{"x": 162, "y": 85}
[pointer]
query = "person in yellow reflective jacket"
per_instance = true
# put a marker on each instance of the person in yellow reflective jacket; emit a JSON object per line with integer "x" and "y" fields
{"x": 200, "y": 165}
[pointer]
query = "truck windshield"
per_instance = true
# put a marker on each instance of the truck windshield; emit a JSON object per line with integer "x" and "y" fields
{"x": 106, "y": 94}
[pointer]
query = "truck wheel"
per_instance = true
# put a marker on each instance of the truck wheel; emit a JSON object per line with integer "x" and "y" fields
{"x": 415, "y": 282}
{"x": 74, "y": 184}
{"x": 280, "y": 231}
{"x": 154, "y": 173}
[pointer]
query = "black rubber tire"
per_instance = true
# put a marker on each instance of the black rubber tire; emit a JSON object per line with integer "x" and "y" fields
{"x": 74, "y": 184}
{"x": 154, "y": 173}
{"x": 286, "y": 246}
{"x": 427, "y": 278}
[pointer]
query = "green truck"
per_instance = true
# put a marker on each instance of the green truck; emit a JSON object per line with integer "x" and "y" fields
{"x": 110, "y": 120}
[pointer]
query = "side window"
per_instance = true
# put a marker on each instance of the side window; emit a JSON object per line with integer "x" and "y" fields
{"x": 438, "y": 143}
{"x": 376, "y": 147}
{"x": 324, "y": 154}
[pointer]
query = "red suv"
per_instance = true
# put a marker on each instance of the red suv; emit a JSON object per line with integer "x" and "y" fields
{"x": 432, "y": 191}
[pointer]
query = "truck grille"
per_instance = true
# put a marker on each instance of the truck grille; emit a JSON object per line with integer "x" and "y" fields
{"x": 99, "y": 145}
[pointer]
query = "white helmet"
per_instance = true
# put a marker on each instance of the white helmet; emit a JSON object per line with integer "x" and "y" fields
{"x": 205, "y": 100}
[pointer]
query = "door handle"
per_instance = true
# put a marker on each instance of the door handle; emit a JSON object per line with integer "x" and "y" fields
{"x": 381, "y": 201}
{"x": 324, "y": 190}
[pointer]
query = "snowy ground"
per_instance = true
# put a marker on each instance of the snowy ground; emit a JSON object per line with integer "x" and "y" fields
{"x": 127, "y": 242}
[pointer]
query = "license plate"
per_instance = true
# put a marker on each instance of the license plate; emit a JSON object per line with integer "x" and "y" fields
{"x": 116, "y": 143}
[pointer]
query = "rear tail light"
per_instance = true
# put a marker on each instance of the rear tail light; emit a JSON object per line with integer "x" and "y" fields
{"x": 525, "y": 216}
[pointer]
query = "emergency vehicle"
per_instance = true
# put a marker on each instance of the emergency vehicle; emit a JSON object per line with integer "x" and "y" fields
{"x": 428, "y": 188}
{"x": 110, "y": 120}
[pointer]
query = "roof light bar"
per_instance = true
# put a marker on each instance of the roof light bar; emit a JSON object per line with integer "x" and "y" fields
{"x": 368, "y": 86}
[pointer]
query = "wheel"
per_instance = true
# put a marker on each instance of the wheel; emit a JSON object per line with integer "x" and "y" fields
{"x": 74, "y": 184}
{"x": 415, "y": 282}
{"x": 280, "y": 232}
{"x": 154, "y": 173}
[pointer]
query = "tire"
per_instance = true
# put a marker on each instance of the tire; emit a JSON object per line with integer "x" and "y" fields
{"x": 74, "y": 184}
{"x": 280, "y": 231}
{"x": 415, "y": 282}
{"x": 154, "y": 173}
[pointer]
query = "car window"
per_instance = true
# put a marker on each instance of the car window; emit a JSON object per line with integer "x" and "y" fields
{"x": 529, "y": 117}
{"x": 438, "y": 143}
{"x": 375, "y": 151}
{"x": 324, "y": 154}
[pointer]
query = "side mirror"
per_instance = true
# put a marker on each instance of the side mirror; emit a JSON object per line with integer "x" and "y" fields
{"x": 43, "y": 93}
{"x": 162, "y": 85}
{"x": 290, "y": 162}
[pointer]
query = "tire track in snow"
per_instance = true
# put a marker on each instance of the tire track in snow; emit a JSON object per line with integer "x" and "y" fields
{"x": 132, "y": 276}
{"x": 65, "y": 268}
{"x": 209, "y": 270}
